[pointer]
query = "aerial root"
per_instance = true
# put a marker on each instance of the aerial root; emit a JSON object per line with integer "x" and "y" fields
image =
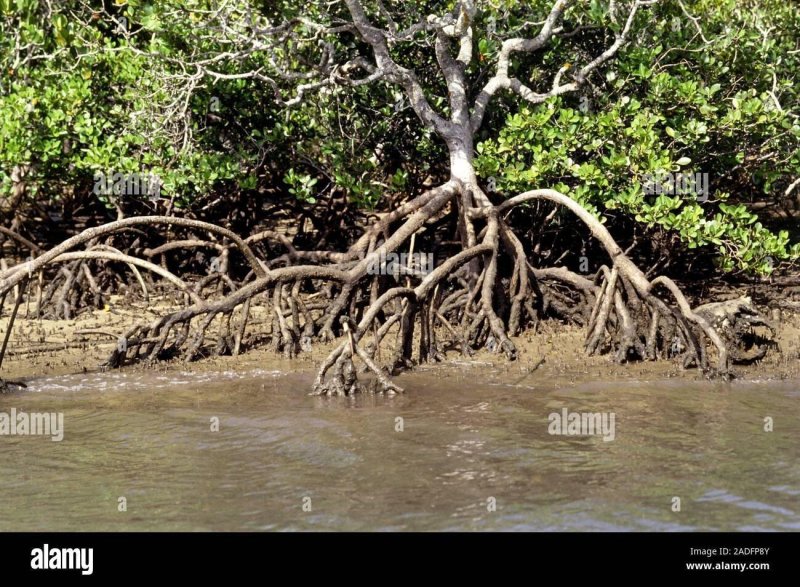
{"x": 470, "y": 300}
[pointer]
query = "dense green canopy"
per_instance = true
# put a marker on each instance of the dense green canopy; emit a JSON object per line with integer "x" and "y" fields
{"x": 703, "y": 87}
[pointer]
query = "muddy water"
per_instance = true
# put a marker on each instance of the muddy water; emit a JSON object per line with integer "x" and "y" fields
{"x": 470, "y": 439}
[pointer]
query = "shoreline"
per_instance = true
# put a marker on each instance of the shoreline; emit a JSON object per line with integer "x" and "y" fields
{"x": 46, "y": 348}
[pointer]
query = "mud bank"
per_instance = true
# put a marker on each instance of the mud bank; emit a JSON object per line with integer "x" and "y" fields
{"x": 57, "y": 347}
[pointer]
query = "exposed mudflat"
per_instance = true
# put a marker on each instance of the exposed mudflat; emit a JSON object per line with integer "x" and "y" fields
{"x": 56, "y": 347}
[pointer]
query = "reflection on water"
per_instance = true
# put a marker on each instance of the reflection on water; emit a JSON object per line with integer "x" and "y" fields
{"x": 468, "y": 440}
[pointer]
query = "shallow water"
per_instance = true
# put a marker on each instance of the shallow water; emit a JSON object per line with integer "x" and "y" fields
{"x": 470, "y": 439}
